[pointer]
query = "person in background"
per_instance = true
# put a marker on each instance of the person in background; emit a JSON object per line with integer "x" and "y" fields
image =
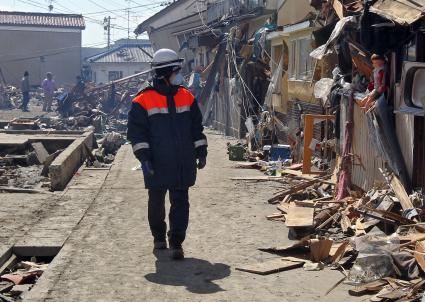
{"x": 25, "y": 89}
{"x": 195, "y": 81}
{"x": 49, "y": 88}
{"x": 79, "y": 87}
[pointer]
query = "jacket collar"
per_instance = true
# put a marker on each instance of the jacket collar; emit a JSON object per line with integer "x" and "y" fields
{"x": 160, "y": 86}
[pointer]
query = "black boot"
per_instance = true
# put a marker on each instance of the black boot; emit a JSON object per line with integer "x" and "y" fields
{"x": 177, "y": 253}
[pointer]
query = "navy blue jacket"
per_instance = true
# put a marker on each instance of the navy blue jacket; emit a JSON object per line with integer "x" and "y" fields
{"x": 165, "y": 128}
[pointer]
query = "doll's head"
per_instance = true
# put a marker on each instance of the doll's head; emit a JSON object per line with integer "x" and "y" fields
{"x": 377, "y": 60}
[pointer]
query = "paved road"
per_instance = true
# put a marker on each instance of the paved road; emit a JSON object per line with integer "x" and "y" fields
{"x": 109, "y": 257}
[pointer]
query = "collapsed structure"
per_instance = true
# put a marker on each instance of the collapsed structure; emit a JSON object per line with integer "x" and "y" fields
{"x": 338, "y": 84}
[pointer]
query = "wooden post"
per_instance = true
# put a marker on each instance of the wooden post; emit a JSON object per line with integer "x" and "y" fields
{"x": 308, "y": 136}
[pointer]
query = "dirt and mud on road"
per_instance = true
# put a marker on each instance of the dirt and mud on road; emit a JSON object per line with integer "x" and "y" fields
{"x": 109, "y": 255}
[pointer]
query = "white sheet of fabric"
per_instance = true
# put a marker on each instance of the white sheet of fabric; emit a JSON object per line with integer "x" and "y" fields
{"x": 275, "y": 85}
{"x": 321, "y": 51}
{"x": 323, "y": 88}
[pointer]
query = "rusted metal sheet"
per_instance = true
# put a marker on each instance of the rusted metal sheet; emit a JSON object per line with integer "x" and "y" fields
{"x": 404, "y": 12}
{"x": 366, "y": 162}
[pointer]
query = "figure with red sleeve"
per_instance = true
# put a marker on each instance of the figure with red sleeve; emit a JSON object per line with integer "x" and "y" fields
{"x": 377, "y": 86}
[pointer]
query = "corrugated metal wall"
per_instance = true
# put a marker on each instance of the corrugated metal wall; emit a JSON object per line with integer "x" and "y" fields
{"x": 405, "y": 135}
{"x": 294, "y": 115}
{"x": 366, "y": 164}
{"x": 226, "y": 112}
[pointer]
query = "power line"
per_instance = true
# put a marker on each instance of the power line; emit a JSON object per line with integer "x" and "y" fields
{"x": 87, "y": 18}
{"x": 110, "y": 11}
{"x": 162, "y": 3}
{"x": 51, "y": 52}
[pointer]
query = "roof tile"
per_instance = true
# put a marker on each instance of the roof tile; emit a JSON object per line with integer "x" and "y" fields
{"x": 124, "y": 54}
{"x": 42, "y": 20}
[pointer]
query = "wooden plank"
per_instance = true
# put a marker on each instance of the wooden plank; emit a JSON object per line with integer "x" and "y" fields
{"x": 308, "y": 136}
{"x": 247, "y": 165}
{"x": 22, "y": 190}
{"x": 295, "y": 166}
{"x": 271, "y": 266}
{"x": 339, "y": 9}
{"x": 9, "y": 263}
{"x": 398, "y": 189}
{"x": 299, "y": 174}
{"x": 420, "y": 254}
{"x": 283, "y": 207}
{"x": 303, "y": 243}
{"x": 401, "y": 193}
{"x": 320, "y": 249}
{"x": 299, "y": 216}
{"x": 259, "y": 177}
{"x": 293, "y": 189}
{"x": 276, "y": 216}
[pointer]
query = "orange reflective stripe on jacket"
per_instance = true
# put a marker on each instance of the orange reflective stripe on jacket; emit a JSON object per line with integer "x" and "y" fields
{"x": 154, "y": 102}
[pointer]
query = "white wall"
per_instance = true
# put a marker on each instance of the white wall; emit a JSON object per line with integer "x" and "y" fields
{"x": 102, "y": 69}
{"x": 182, "y": 10}
{"x": 21, "y": 49}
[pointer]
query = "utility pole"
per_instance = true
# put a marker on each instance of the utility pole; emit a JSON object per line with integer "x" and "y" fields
{"x": 128, "y": 19}
{"x": 107, "y": 27}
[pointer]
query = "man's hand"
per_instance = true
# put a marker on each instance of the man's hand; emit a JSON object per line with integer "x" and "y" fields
{"x": 147, "y": 168}
{"x": 202, "y": 161}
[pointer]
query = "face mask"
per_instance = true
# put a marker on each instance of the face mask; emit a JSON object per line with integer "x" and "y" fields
{"x": 176, "y": 79}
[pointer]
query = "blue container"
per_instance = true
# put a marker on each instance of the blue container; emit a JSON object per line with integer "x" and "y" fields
{"x": 281, "y": 152}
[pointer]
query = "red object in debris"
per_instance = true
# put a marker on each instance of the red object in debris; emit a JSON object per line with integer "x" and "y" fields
{"x": 20, "y": 278}
{"x": 77, "y": 174}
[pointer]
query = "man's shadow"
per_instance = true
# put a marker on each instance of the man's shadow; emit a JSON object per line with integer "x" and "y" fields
{"x": 195, "y": 274}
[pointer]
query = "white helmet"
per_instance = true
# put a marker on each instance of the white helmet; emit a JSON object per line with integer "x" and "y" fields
{"x": 165, "y": 57}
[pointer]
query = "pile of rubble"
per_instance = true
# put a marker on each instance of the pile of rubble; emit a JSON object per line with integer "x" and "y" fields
{"x": 374, "y": 238}
{"x": 18, "y": 277}
{"x": 105, "y": 154}
{"x": 10, "y": 96}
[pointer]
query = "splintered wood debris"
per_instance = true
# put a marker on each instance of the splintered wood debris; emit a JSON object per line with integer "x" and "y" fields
{"x": 375, "y": 238}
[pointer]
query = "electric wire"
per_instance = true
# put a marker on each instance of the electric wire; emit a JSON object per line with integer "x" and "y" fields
{"x": 202, "y": 19}
{"x": 47, "y": 52}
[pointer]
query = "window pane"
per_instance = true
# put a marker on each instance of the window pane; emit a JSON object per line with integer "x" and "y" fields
{"x": 114, "y": 75}
{"x": 304, "y": 71}
{"x": 292, "y": 60}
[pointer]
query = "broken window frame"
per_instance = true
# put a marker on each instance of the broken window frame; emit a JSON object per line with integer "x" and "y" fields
{"x": 114, "y": 75}
{"x": 296, "y": 71}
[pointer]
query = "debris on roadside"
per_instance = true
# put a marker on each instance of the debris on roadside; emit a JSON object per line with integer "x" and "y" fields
{"x": 375, "y": 238}
{"x": 17, "y": 277}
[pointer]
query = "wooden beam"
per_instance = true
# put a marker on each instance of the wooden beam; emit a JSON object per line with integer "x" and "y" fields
{"x": 308, "y": 136}
{"x": 339, "y": 8}
{"x": 271, "y": 266}
{"x": 398, "y": 189}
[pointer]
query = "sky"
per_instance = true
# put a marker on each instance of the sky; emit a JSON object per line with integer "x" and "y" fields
{"x": 94, "y": 12}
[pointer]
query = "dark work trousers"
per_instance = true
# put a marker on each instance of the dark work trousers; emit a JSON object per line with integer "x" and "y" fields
{"x": 25, "y": 100}
{"x": 178, "y": 216}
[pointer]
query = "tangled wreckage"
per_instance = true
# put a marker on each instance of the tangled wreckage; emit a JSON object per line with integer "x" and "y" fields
{"x": 341, "y": 127}
{"x": 43, "y": 153}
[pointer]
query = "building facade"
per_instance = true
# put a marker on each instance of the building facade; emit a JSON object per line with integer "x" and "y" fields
{"x": 125, "y": 58}
{"x": 40, "y": 43}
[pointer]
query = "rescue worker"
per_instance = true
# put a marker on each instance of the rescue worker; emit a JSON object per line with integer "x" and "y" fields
{"x": 166, "y": 132}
